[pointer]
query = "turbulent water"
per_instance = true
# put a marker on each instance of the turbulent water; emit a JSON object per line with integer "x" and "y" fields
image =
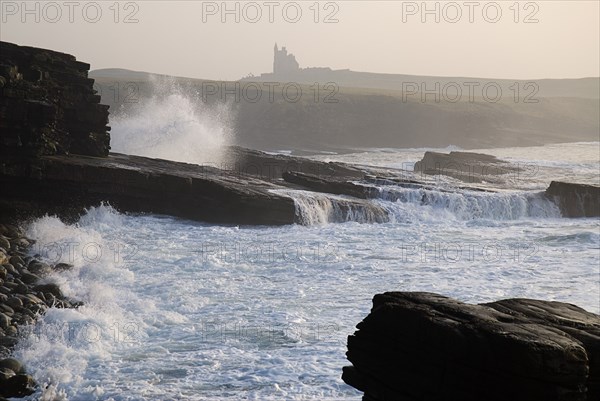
{"x": 179, "y": 310}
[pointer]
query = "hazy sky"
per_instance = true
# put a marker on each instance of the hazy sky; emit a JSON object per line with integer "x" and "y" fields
{"x": 540, "y": 39}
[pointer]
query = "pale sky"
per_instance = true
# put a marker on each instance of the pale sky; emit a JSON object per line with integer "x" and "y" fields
{"x": 188, "y": 38}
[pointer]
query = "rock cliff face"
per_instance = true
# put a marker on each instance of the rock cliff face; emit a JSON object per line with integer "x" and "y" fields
{"x": 48, "y": 105}
{"x": 422, "y": 346}
{"x": 575, "y": 200}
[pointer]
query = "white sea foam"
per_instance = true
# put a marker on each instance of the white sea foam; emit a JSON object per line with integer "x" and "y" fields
{"x": 177, "y": 310}
{"x": 397, "y": 204}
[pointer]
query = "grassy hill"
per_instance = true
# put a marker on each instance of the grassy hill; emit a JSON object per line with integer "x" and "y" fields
{"x": 349, "y": 117}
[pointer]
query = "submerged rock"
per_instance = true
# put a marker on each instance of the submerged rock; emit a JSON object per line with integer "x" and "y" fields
{"x": 417, "y": 346}
{"x": 575, "y": 200}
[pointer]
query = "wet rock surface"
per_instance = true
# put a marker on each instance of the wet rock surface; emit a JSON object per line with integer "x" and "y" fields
{"x": 332, "y": 185}
{"x": 575, "y": 200}
{"x": 423, "y": 346}
{"x": 275, "y": 166}
{"x": 63, "y": 184}
{"x": 24, "y": 296}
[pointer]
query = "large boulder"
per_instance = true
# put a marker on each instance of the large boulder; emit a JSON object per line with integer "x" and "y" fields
{"x": 422, "y": 346}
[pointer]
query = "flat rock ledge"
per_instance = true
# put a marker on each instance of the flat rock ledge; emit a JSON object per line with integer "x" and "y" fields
{"x": 424, "y": 346}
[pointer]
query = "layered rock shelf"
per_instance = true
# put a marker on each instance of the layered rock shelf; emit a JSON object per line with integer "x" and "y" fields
{"x": 65, "y": 184}
{"x": 423, "y": 346}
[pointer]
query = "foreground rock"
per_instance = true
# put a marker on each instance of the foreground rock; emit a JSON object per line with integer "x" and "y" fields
{"x": 422, "y": 346}
{"x": 465, "y": 166}
{"x": 575, "y": 200}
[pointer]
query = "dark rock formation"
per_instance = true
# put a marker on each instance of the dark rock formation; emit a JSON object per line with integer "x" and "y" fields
{"x": 464, "y": 166}
{"x": 63, "y": 184}
{"x": 48, "y": 105}
{"x": 575, "y": 200}
{"x": 422, "y": 346}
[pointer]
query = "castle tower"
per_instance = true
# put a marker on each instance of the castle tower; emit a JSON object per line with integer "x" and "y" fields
{"x": 284, "y": 62}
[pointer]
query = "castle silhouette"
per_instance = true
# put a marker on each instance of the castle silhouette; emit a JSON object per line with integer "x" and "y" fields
{"x": 287, "y": 68}
{"x": 284, "y": 63}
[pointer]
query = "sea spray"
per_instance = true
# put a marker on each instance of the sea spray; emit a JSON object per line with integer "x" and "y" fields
{"x": 67, "y": 350}
{"x": 174, "y": 123}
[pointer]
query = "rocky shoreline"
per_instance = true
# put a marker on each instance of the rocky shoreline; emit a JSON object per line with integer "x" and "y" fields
{"x": 24, "y": 296}
{"x": 55, "y": 159}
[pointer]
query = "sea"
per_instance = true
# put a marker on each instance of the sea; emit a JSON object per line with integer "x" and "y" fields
{"x": 184, "y": 310}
